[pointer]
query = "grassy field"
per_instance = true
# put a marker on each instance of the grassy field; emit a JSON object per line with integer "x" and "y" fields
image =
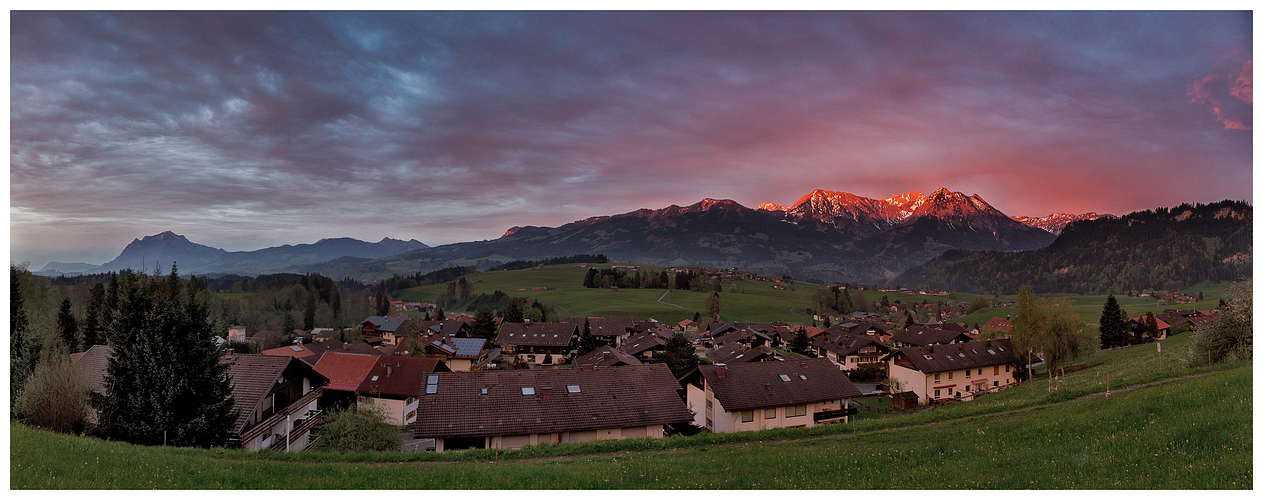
{"x": 756, "y": 301}
{"x": 1176, "y": 429}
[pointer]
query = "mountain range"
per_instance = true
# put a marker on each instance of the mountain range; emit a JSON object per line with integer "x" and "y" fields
{"x": 826, "y": 235}
{"x": 161, "y": 250}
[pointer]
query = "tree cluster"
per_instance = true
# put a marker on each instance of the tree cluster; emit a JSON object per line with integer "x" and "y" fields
{"x": 1231, "y": 335}
{"x": 1052, "y": 330}
{"x": 573, "y": 259}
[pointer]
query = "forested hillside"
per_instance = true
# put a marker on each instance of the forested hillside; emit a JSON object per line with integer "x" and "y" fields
{"x": 1163, "y": 249}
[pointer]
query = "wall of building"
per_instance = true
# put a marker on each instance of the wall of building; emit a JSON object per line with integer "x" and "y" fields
{"x": 520, "y": 440}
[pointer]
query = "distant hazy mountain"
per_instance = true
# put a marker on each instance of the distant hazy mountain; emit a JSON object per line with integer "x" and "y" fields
{"x": 161, "y": 250}
{"x": 68, "y": 268}
{"x": 826, "y": 235}
{"x": 1054, "y": 223}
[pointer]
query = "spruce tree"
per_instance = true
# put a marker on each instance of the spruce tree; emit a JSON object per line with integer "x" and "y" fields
{"x": 68, "y": 326}
{"x": 801, "y": 344}
{"x": 513, "y": 313}
{"x": 679, "y": 355}
{"x": 1113, "y": 324}
{"x": 587, "y": 343}
{"x": 383, "y": 304}
{"x": 92, "y": 331}
{"x": 484, "y": 324}
{"x": 309, "y": 311}
{"x": 19, "y": 326}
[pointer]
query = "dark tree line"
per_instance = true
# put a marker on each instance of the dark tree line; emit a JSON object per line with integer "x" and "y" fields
{"x": 573, "y": 259}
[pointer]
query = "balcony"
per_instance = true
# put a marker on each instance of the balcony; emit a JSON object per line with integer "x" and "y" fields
{"x": 302, "y": 426}
{"x": 295, "y": 408}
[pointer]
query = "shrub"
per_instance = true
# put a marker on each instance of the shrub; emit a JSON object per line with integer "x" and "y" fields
{"x": 357, "y": 429}
{"x": 54, "y": 397}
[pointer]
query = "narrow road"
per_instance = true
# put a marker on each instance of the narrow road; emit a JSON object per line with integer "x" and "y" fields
{"x": 664, "y": 294}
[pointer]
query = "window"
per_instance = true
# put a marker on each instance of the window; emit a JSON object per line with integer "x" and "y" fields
{"x": 747, "y": 416}
{"x": 936, "y": 393}
{"x": 528, "y": 391}
{"x": 949, "y": 391}
{"x": 995, "y": 383}
{"x": 572, "y": 388}
{"x": 980, "y": 372}
{"x": 769, "y": 413}
{"x": 784, "y": 378}
{"x": 710, "y": 404}
{"x": 709, "y": 424}
{"x": 968, "y": 373}
{"x": 997, "y": 370}
{"x": 937, "y": 376}
{"x": 950, "y": 375}
{"x": 1006, "y": 368}
{"x": 795, "y": 411}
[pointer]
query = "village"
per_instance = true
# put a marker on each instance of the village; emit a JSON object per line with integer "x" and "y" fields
{"x": 542, "y": 382}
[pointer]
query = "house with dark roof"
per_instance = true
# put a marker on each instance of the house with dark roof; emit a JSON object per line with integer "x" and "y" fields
{"x": 753, "y": 396}
{"x": 922, "y": 335}
{"x": 299, "y": 351}
{"x": 537, "y": 342}
{"x": 959, "y": 370}
{"x": 392, "y": 383}
{"x": 741, "y": 353}
{"x": 276, "y": 398}
{"x": 510, "y": 409}
{"x": 605, "y": 356}
{"x": 644, "y": 346}
{"x": 460, "y": 354}
{"x": 850, "y": 352}
{"x": 391, "y": 329}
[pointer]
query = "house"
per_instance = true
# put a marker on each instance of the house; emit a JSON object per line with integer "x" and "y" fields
{"x": 460, "y": 354}
{"x": 905, "y": 400}
{"x": 392, "y": 330}
{"x": 768, "y": 395}
{"x": 276, "y": 398}
{"x": 740, "y": 353}
{"x": 999, "y": 324}
{"x": 515, "y": 408}
{"x": 299, "y": 351}
{"x": 605, "y": 356}
{"x": 322, "y": 347}
{"x": 537, "y": 342}
{"x": 395, "y": 384}
{"x": 345, "y": 371}
{"x": 923, "y": 335}
{"x": 688, "y": 326}
{"x": 644, "y": 346}
{"x": 850, "y": 352}
{"x": 957, "y": 370}
{"x": 1164, "y": 329}
{"x": 236, "y": 333}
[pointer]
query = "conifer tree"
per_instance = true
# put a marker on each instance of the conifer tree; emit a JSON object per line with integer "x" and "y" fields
{"x": 513, "y": 313}
{"x": 92, "y": 331}
{"x": 679, "y": 355}
{"x": 383, "y": 304}
{"x": 1113, "y": 324}
{"x": 19, "y": 364}
{"x": 484, "y": 324}
{"x": 68, "y": 326}
{"x": 801, "y": 344}
{"x": 587, "y": 343}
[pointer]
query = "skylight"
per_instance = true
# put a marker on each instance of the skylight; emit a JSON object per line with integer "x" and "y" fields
{"x": 572, "y": 388}
{"x": 801, "y": 376}
{"x": 991, "y": 351}
{"x": 528, "y": 391}
{"x": 961, "y": 354}
{"x": 374, "y": 378}
{"x": 296, "y": 348}
{"x": 784, "y": 378}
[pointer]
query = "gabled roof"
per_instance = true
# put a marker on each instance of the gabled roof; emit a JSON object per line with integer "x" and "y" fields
{"x": 346, "y": 371}
{"x": 960, "y": 356}
{"x": 554, "y": 401}
{"x": 467, "y": 348}
{"x": 399, "y": 376}
{"x": 1162, "y": 325}
{"x": 385, "y": 323}
{"x": 999, "y": 324}
{"x": 537, "y": 334}
{"x": 253, "y": 376}
{"x": 749, "y": 386}
{"x": 91, "y": 365}
{"x": 643, "y": 342}
{"x": 849, "y": 344}
{"x": 605, "y": 356}
{"x": 293, "y": 351}
{"x": 737, "y": 353}
{"x": 923, "y": 335}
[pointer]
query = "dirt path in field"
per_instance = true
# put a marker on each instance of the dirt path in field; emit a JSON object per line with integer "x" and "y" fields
{"x": 664, "y": 294}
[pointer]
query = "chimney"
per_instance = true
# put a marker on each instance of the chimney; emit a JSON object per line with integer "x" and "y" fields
{"x": 769, "y": 386}
{"x": 931, "y": 348}
{"x": 548, "y": 393}
{"x": 803, "y": 364}
{"x": 721, "y": 370}
{"x": 388, "y": 369}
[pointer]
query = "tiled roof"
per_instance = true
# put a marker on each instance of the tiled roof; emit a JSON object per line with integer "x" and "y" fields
{"x": 737, "y": 353}
{"x": 254, "y": 375}
{"x": 91, "y": 364}
{"x": 1162, "y": 325}
{"x": 293, "y": 351}
{"x": 748, "y": 386}
{"x": 345, "y": 371}
{"x": 322, "y": 347}
{"x": 385, "y": 323}
{"x": 399, "y": 376}
{"x": 605, "y": 356}
{"x": 849, "y": 344}
{"x": 557, "y": 401}
{"x": 537, "y": 334}
{"x": 643, "y": 342}
{"x": 960, "y": 356}
{"x": 923, "y": 335}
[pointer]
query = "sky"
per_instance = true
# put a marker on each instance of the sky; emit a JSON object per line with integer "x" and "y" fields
{"x": 244, "y": 130}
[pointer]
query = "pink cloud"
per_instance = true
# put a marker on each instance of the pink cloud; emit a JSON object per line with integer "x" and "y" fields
{"x": 1229, "y": 95}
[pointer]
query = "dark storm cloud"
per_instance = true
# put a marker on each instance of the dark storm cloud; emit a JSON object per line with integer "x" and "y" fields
{"x": 253, "y": 129}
